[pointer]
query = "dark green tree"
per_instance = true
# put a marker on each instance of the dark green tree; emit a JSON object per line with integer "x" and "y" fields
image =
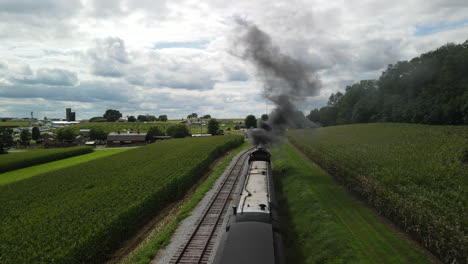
{"x": 152, "y": 132}
{"x": 162, "y": 118}
{"x": 142, "y": 118}
{"x": 314, "y": 115}
{"x": 36, "y": 134}
{"x": 213, "y": 127}
{"x": 25, "y": 136}
{"x": 264, "y": 117}
{"x": 97, "y": 134}
{"x": 178, "y": 131}
{"x": 6, "y": 139}
{"x": 132, "y": 119}
{"x": 112, "y": 115}
{"x": 192, "y": 115}
{"x": 206, "y": 117}
{"x": 250, "y": 121}
{"x": 66, "y": 134}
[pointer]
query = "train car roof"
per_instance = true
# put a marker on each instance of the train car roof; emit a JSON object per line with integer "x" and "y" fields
{"x": 247, "y": 243}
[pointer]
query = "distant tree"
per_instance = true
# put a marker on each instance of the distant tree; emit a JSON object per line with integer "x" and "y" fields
{"x": 142, "y": 118}
{"x": 112, "y": 115}
{"x": 151, "y": 118}
{"x": 206, "y": 117}
{"x": 250, "y": 121}
{"x": 66, "y": 134}
{"x": 192, "y": 115}
{"x": 25, "y": 136}
{"x": 264, "y": 117}
{"x": 213, "y": 127}
{"x": 36, "y": 134}
{"x": 162, "y": 118}
{"x": 132, "y": 119}
{"x": 152, "y": 132}
{"x": 314, "y": 115}
{"x": 97, "y": 119}
{"x": 97, "y": 134}
{"x": 6, "y": 139}
{"x": 178, "y": 131}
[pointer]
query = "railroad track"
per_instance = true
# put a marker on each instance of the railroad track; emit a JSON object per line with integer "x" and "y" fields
{"x": 199, "y": 246}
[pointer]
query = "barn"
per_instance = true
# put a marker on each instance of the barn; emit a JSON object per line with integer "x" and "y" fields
{"x": 116, "y": 139}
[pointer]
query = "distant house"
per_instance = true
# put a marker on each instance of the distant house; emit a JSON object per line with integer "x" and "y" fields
{"x": 58, "y": 124}
{"x": 49, "y": 140}
{"x": 84, "y": 132}
{"x": 91, "y": 143}
{"x": 116, "y": 139}
{"x": 80, "y": 140}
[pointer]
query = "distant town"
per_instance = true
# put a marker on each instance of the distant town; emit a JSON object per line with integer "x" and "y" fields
{"x": 110, "y": 130}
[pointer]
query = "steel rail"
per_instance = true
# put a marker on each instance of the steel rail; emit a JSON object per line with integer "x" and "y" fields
{"x": 197, "y": 259}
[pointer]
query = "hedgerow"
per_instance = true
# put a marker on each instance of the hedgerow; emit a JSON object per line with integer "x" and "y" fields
{"x": 413, "y": 174}
{"x": 81, "y": 214}
{"x": 20, "y": 160}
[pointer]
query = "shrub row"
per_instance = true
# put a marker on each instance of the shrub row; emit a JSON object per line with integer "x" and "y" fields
{"x": 413, "y": 174}
{"x": 13, "y": 161}
{"x": 81, "y": 214}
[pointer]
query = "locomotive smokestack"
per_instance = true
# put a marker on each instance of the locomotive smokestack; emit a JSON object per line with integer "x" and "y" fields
{"x": 286, "y": 82}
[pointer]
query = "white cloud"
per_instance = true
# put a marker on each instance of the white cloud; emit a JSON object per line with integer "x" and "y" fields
{"x": 94, "y": 54}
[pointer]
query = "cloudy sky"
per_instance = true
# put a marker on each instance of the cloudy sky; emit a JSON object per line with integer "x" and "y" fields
{"x": 175, "y": 57}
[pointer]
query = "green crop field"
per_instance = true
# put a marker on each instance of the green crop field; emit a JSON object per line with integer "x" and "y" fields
{"x": 322, "y": 223}
{"x": 18, "y": 160}
{"x": 13, "y": 123}
{"x": 416, "y": 175}
{"x": 24, "y": 173}
{"x": 121, "y": 126}
{"x": 80, "y": 214}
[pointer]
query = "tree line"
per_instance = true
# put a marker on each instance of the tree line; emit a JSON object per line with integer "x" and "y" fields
{"x": 429, "y": 89}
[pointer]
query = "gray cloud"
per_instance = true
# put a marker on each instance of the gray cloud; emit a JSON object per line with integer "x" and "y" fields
{"x": 109, "y": 57}
{"x": 47, "y": 8}
{"x": 342, "y": 42}
{"x": 85, "y": 92}
{"x": 54, "y": 77}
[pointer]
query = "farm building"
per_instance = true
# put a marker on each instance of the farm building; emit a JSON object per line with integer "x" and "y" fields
{"x": 85, "y": 132}
{"x": 115, "y": 139}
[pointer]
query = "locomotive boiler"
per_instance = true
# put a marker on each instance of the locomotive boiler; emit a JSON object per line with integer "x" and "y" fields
{"x": 252, "y": 234}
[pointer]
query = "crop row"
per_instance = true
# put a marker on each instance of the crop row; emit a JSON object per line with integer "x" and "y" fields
{"x": 413, "y": 174}
{"x": 13, "y": 161}
{"x": 81, "y": 214}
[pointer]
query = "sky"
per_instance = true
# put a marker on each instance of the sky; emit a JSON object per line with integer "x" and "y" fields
{"x": 178, "y": 57}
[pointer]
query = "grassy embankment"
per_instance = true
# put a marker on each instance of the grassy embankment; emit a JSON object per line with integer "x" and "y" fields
{"x": 155, "y": 241}
{"x": 323, "y": 223}
{"x": 18, "y": 160}
{"x": 81, "y": 214}
{"x": 24, "y": 173}
{"x": 415, "y": 175}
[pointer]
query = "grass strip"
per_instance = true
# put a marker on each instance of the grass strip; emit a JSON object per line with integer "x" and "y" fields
{"x": 323, "y": 223}
{"x": 145, "y": 253}
{"x": 14, "y": 161}
{"x": 28, "y": 172}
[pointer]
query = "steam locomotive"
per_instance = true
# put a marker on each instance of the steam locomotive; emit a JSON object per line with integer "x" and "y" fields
{"x": 252, "y": 234}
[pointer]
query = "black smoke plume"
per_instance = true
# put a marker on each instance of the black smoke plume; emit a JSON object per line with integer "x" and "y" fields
{"x": 287, "y": 81}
